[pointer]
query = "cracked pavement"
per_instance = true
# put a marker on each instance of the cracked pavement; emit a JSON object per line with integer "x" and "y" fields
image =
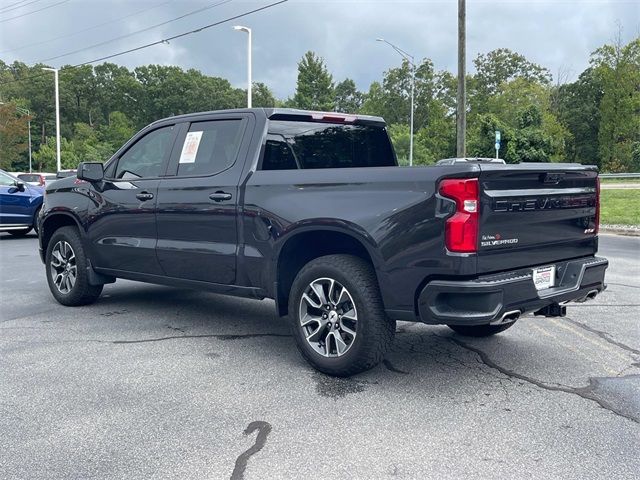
{"x": 154, "y": 382}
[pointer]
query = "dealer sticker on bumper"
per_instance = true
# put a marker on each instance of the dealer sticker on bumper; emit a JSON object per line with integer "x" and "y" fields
{"x": 544, "y": 277}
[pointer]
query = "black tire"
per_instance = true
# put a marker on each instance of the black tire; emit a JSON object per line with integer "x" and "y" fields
{"x": 480, "y": 330}
{"x": 35, "y": 221}
{"x": 81, "y": 292}
{"x": 19, "y": 233}
{"x": 374, "y": 331}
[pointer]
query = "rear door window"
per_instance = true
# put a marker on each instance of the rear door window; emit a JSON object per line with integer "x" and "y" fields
{"x": 210, "y": 147}
{"x": 292, "y": 145}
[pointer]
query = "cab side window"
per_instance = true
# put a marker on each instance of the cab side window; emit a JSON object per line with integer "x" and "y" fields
{"x": 210, "y": 147}
{"x": 147, "y": 156}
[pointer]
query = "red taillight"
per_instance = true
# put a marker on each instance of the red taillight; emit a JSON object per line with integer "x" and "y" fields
{"x": 597, "y": 227}
{"x": 461, "y": 229}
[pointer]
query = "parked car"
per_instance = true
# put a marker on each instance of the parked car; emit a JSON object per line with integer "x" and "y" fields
{"x": 312, "y": 210}
{"x": 19, "y": 205}
{"x": 66, "y": 173}
{"x": 36, "y": 179}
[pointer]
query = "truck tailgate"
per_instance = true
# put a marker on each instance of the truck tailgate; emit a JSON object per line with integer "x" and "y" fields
{"x": 535, "y": 214}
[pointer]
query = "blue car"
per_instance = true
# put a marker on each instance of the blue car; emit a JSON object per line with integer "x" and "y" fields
{"x": 19, "y": 205}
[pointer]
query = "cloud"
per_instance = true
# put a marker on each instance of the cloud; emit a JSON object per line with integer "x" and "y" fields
{"x": 556, "y": 34}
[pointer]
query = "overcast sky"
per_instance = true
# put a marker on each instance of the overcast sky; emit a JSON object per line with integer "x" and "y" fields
{"x": 559, "y": 34}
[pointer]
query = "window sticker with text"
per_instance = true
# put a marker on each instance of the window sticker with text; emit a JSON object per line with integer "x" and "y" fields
{"x": 190, "y": 147}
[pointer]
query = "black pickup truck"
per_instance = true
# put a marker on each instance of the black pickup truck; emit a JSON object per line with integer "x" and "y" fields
{"x": 311, "y": 209}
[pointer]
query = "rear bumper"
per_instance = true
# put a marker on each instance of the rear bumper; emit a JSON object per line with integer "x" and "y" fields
{"x": 489, "y": 298}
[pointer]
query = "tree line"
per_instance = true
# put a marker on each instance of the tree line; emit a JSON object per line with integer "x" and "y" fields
{"x": 593, "y": 120}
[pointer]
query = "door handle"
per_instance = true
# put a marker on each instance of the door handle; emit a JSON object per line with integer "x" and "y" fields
{"x": 220, "y": 196}
{"x": 144, "y": 196}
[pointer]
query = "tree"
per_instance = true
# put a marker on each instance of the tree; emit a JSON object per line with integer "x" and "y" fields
{"x": 532, "y": 144}
{"x": 496, "y": 68}
{"x": 400, "y": 138}
{"x": 119, "y": 130}
{"x": 481, "y": 138}
{"x": 314, "y": 89}
{"x": 45, "y": 158}
{"x": 577, "y": 107}
{"x": 13, "y": 135}
{"x": 502, "y": 65}
{"x": 262, "y": 96}
{"x": 618, "y": 70}
{"x": 347, "y": 97}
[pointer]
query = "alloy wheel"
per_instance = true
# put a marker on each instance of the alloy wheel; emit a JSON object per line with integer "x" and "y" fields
{"x": 328, "y": 317}
{"x": 63, "y": 267}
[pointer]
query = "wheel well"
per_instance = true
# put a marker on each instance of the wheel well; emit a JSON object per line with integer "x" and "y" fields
{"x": 52, "y": 224}
{"x": 304, "y": 247}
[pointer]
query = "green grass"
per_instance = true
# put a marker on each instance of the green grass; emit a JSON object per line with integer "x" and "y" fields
{"x": 620, "y": 207}
{"x": 620, "y": 180}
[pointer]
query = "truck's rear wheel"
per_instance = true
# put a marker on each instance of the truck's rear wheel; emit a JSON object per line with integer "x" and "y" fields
{"x": 480, "y": 330}
{"x": 66, "y": 265}
{"x": 337, "y": 315}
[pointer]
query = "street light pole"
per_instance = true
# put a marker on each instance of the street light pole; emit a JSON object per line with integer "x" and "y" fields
{"x": 55, "y": 73}
{"x": 409, "y": 58}
{"x": 249, "y": 80}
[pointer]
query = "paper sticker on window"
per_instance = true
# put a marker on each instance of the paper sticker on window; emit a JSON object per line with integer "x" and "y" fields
{"x": 190, "y": 147}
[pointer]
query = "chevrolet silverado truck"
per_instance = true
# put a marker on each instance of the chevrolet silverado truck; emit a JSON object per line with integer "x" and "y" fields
{"x": 311, "y": 209}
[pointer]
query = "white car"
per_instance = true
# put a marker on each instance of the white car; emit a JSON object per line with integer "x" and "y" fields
{"x": 36, "y": 178}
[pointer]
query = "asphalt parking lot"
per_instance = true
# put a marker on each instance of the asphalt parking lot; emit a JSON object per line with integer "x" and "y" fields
{"x": 154, "y": 382}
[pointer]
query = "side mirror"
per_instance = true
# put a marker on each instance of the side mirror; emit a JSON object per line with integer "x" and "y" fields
{"x": 91, "y": 171}
{"x": 20, "y": 186}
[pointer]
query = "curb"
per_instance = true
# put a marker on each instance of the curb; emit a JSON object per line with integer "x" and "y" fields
{"x": 629, "y": 232}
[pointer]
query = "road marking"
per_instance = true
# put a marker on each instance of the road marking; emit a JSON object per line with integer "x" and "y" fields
{"x": 591, "y": 340}
{"x": 569, "y": 347}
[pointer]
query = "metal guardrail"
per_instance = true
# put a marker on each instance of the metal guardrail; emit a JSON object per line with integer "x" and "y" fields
{"x": 619, "y": 175}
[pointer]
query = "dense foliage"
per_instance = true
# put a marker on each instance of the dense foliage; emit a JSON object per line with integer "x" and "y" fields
{"x": 594, "y": 120}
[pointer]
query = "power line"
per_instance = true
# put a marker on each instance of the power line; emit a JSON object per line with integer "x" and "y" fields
{"x": 24, "y": 47}
{"x": 197, "y": 30}
{"x": 33, "y": 11}
{"x": 11, "y": 5}
{"x": 209, "y": 7}
{"x": 9, "y": 8}
{"x": 165, "y": 40}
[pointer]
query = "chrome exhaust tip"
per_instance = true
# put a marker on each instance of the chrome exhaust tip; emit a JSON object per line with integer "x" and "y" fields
{"x": 508, "y": 317}
{"x": 592, "y": 294}
{"x": 589, "y": 296}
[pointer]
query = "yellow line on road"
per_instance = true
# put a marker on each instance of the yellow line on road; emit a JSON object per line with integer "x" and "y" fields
{"x": 572, "y": 349}
{"x": 600, "y": 343}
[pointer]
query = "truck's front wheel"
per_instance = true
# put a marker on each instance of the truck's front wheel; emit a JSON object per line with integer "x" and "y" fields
{"x": 66, "y": 265}
{"x": 337, "y": 315}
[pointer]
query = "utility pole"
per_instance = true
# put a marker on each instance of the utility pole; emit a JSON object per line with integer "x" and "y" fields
{"x": 461, "y": 117}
